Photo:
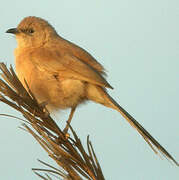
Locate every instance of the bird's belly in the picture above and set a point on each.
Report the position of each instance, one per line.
(57, 93)
(66, 93)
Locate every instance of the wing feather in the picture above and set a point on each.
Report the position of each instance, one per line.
(67, 66)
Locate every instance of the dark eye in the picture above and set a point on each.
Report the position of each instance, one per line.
(27, 31)
(31, 31)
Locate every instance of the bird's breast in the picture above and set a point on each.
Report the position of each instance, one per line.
(57, 91)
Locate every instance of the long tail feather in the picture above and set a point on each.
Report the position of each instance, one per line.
(153, 143)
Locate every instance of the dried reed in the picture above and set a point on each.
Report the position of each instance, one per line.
(69, 154)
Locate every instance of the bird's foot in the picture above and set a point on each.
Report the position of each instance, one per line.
(65, 131)
(42, 105)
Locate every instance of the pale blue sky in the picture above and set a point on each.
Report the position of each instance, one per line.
(137, 41)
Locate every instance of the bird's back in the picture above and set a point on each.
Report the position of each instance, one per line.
(81, 54)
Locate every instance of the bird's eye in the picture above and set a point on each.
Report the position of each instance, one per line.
(31, 31)
(27, 31)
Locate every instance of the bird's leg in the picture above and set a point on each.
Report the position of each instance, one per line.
(69, 120)
(43, 105)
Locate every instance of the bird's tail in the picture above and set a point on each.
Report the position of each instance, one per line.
(110, 102)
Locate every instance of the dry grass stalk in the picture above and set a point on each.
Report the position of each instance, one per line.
(74, 162)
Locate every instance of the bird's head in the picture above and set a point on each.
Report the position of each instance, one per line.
(33, 32)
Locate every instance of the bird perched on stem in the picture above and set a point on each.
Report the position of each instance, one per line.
(63, 74)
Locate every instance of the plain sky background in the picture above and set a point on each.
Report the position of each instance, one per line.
(137, 41)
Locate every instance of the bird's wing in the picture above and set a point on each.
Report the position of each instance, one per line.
(83, 55)
(67, 66)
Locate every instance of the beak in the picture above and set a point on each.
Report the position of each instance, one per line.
(12, 31)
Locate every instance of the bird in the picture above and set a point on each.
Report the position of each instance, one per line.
(65, 75)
